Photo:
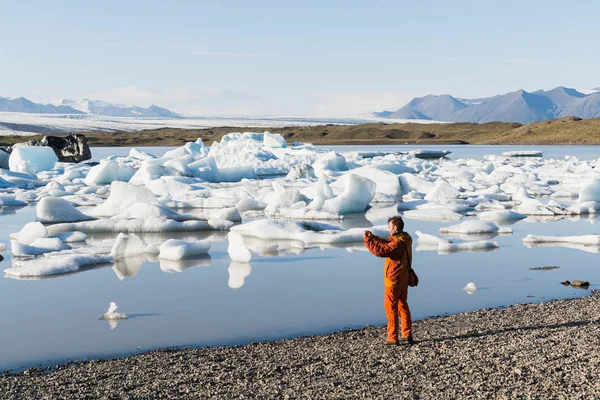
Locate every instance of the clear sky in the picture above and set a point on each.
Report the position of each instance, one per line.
(303, 58)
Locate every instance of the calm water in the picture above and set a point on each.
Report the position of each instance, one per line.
(322, 290)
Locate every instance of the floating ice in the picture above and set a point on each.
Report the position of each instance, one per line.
(4, 156)
(474, 226)
(174, 249)
(309, 233)
(32, 159)
(30, 232)
(479, 245)
(523, 153)
(112, 313)
(430, 153)
(55, 210)
(470, 288)
(358, 193)
(590, 191)
(122, 195)
(236, 249)
(501, 216)
(127, 245)
(433, 214)
(8, 200)
(442, 192)
(55, 263)
(274, 140)
(147, 225)
(109, 171)
(431, 239)
(301, 171)
(330, 162)
(593, 240)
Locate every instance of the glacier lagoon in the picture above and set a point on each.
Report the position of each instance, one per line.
(209, 300)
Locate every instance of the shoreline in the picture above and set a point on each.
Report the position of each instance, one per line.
(537, 350)
(563, 131)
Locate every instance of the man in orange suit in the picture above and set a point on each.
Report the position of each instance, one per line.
(397, 250)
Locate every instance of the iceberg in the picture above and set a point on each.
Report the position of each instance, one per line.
(32, 159)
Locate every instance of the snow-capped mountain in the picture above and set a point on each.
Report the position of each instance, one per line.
(98, 107)
(85, 106)
(22, 105)
(520, 106)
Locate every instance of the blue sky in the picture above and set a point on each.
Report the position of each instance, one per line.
(292, 58)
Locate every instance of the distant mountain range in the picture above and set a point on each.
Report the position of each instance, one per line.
(520, 106)
(82, 107)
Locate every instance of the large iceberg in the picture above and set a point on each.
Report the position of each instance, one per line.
(32, 159)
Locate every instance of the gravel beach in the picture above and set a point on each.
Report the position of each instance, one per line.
(540, 351)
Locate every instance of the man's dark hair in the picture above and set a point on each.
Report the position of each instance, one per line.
(397, 222)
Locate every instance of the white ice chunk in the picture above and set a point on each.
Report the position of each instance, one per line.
(470, 288)
(32, 159)
(590, 191)
(109, 171)
(30, 232)
(55, 210)
(479, 245)
(301, 171)
(127, 245)
(147, 225)
(55, 264)
(523, 153)
(274, 140)
(330, 162)
(501, 216)
(431, 239)
(9, 200)
(112, 313)
(122, 195)
(236, 249)
(433, 214)
(71, 237)
(174, 249)
(358, 193)
(37, 247)
(442, 192)
(474, 226)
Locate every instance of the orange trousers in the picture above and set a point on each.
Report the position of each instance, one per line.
(395, 304)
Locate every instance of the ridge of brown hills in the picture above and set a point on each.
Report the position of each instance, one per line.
(562, 131)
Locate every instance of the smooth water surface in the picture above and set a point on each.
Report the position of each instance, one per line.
(211, 301)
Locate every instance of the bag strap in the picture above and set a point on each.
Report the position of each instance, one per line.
(407, 254)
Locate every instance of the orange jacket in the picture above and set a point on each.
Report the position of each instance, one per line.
(396, 266)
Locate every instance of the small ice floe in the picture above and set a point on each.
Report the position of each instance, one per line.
(480, 245)
(501, 216)
(523, 153)
(112, 316)
(429, 242)
(433, 214)
(470, 288)
(174, 249)
(474, 226)
(587, 240)
(425, 154)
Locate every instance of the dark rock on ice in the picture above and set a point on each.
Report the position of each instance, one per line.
(71, 148)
